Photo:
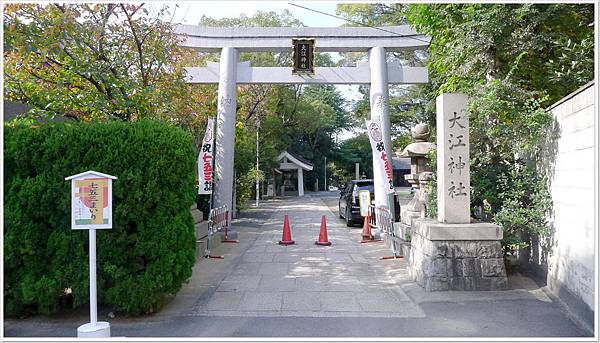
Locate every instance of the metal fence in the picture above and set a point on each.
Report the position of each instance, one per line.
(381, 218)
(218, 219)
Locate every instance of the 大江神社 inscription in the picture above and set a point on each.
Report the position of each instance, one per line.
(453, 159)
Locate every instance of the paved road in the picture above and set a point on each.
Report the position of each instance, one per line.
(262, 289)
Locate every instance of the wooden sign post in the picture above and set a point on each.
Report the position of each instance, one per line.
(91, 209)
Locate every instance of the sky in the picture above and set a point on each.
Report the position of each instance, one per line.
(191, 12)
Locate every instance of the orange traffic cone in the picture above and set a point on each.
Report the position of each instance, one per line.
(323, 234)
(287, 233)
(367, 236)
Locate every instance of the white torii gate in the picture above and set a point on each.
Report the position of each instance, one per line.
(229, 72)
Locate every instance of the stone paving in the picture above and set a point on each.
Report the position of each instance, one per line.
(346, 279)
(262, 289)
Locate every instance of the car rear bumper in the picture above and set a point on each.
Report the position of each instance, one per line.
(355, 214)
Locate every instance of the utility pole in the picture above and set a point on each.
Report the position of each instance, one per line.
(257, 171)
(325, 173)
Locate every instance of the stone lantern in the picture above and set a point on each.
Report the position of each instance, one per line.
(420, 174)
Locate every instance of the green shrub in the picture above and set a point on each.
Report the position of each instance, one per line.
(526, 205)
(147, 254)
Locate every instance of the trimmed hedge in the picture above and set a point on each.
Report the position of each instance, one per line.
(147, 254)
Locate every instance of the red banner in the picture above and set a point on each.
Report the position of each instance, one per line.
(205, 158)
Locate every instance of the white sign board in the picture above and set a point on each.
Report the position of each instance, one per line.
(91, 209)
(91, 200)
(364, 200)
(383, 166)
(205, 158)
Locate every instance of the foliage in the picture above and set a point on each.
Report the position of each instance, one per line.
(246, 185)
(432, 208)
(498, 55)
(525, 206)
(407, 107)
(98, 62)
(369, 14)
(476, 43)
(354, 150)
(259, 19)
(300, 119)
(147, 254)
(571, 67)
(513, 60)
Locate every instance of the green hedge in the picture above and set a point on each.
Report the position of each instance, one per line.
(147, 254)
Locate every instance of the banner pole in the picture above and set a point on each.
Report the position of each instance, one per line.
(212, 191)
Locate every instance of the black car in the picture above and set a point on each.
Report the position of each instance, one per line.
(349, 207)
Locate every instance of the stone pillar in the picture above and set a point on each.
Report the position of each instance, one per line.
(225, 139)
(452, 253)
(379, 108)
(453, 172)
(300, 182)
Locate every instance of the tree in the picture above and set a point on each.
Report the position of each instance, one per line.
(97, 62)
(474, 43)
(510, 61)
(355, 150)
(513, 60)
(407, 104)
(300, 119)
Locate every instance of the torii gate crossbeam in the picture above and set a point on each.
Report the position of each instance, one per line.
(275, 39)
(230, 41)
(361, 74)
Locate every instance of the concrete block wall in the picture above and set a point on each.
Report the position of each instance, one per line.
(570, 167)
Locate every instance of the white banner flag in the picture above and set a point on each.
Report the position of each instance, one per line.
(383, 165)
(205, 157)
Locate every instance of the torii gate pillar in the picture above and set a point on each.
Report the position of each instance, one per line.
(229, 41)
(379, 96)
(225, 138)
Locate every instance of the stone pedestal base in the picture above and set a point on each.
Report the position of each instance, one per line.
(89, 330)
(403, 231)
(462, 257)
(407, 216)
(403, 234)
(405, 226)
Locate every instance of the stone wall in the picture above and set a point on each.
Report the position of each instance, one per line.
(569, 163)
(439, 264)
